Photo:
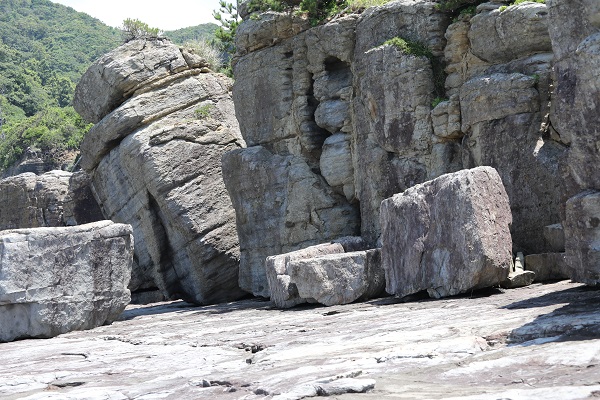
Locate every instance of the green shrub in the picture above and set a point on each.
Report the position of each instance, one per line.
(136, 29)
(206, 50)
(410, 47)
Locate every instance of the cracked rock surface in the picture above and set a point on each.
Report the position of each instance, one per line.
(155, 161)
(541, 341)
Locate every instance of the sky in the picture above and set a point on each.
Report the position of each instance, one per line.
(166, 14)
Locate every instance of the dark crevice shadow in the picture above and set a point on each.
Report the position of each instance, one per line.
(548, 299)
(577, 320)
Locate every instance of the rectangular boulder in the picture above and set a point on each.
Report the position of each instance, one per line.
(56, 280)
(447, 236)
(339, 272)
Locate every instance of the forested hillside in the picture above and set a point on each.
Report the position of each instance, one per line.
(44, 50)
(198, 32)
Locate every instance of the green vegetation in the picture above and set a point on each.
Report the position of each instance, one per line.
(437, 101)
(49, 131)
(206, 50)
(516, 2)
(44, 50)
(203, 111)
(136, 29)
(410, 47)
(204, 32)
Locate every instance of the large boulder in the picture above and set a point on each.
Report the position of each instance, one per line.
(447, 236)
(56, 198)
(330, 274)
(155, 162)
(56, 280)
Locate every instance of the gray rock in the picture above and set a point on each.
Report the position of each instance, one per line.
(332, 115)
(334, 279)
(446, 119)
(284, 293)
(447, 236)
(56, 198)
(336, 164)
(501, 120)
(281, 206)
(267, 29)
(155, 163)
(554, 235)
(516, 32)
(115, 76)
(56, 280)
(582, 234)
(547, 266)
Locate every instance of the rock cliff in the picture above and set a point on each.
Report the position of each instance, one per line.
(154, 156)
(337, 118)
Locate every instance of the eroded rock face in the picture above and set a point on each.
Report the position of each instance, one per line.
(447, 236)
(582, 236)
(56, 198)
(155, 161)
(56, 280)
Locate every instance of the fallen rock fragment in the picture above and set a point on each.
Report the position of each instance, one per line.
(56, 280)
(330, 274)
(518, 277)
(447, 236)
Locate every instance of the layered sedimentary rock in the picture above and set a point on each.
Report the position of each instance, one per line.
(447, 236)
(55, 280)
(56, 198)
(155, 161)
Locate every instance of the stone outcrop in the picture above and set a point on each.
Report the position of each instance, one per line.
(155, 161)
(56, 198)
(548, 266)
(447, 236)
(56, 280)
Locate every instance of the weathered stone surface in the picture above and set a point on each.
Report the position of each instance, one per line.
(446, 119)
(544, 339)
(501, 120)
(447, 236)
(575, 101)
(116, 75)
(518, 31)
(336, 164)
(582, 237)
(284, 292)
(334, 279)
(55, 280)
(281, 206)
(554, 235)
(156, 164)
(267, 29)
(548, 266)
(56, 198)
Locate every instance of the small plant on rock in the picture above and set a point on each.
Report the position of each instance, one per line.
(203, 111)
(410, 47)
